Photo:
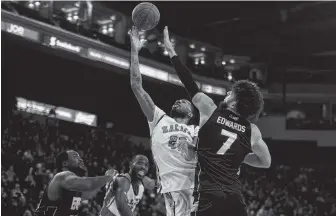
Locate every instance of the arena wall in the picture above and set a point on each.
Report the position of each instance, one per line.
(275, 127)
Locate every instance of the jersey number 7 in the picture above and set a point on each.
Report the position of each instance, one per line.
(227, 144)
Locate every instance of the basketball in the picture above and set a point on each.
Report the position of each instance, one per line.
(145, 16)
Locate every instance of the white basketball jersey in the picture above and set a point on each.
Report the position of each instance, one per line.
(132, 199)
(173, 151)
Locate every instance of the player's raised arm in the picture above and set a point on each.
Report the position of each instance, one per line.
(260, 156)
(181, 70)
(122, 186)
(68, 180)
(146, 103)
(204, 103)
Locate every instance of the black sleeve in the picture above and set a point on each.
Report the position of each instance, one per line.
(185, 76)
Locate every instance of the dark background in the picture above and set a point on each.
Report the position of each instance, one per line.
(283, 35)
(272, 32)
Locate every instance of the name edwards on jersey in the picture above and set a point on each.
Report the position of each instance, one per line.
(175, 128)
(230, 124)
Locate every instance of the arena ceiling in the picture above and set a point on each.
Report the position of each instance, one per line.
(300, 33)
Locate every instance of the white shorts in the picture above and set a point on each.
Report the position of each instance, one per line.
(180, 203)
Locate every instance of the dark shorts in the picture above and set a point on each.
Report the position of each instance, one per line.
(220, 204)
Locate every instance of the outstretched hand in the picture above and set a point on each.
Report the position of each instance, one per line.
(136, 42)
(168, 44)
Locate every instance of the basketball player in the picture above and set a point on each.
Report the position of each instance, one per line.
(108, 192)
(172, 141)
(68, 188)
(126, 191)
(226, 139)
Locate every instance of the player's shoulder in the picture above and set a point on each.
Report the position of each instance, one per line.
(204, 104)
(60, 179)
(121, 181)
(255, 132)
(64, 174)
(201, 96)
(158, 110)
(254, 128)
(159, 115)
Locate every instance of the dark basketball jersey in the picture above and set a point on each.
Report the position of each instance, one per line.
(224, 141)
(67, 205)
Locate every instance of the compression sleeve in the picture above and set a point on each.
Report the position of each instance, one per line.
(185, 76)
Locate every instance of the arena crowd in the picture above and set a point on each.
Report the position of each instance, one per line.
(29, 147)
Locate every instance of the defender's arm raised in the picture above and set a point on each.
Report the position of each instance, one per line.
(204, 103)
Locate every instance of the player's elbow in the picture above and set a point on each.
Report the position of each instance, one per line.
(266, 162)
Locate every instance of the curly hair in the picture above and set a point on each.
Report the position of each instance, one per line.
(249, 99)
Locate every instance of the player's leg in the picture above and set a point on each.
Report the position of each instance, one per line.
(239, 207)
(221, 204)
(204, 211)
(180, 203)
(184, 202)
(170, 204)
(231, 204)
(204, 206)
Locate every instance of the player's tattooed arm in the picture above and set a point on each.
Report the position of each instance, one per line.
(260, 156)
(123, 185)
(146, 103)
(136, 45)
(136, 79)
(68, 180)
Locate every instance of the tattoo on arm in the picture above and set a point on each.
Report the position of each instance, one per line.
(136, 80)
(148, 100)
(146, 103)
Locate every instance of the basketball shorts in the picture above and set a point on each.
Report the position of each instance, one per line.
(180, 203)
(219, 204)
